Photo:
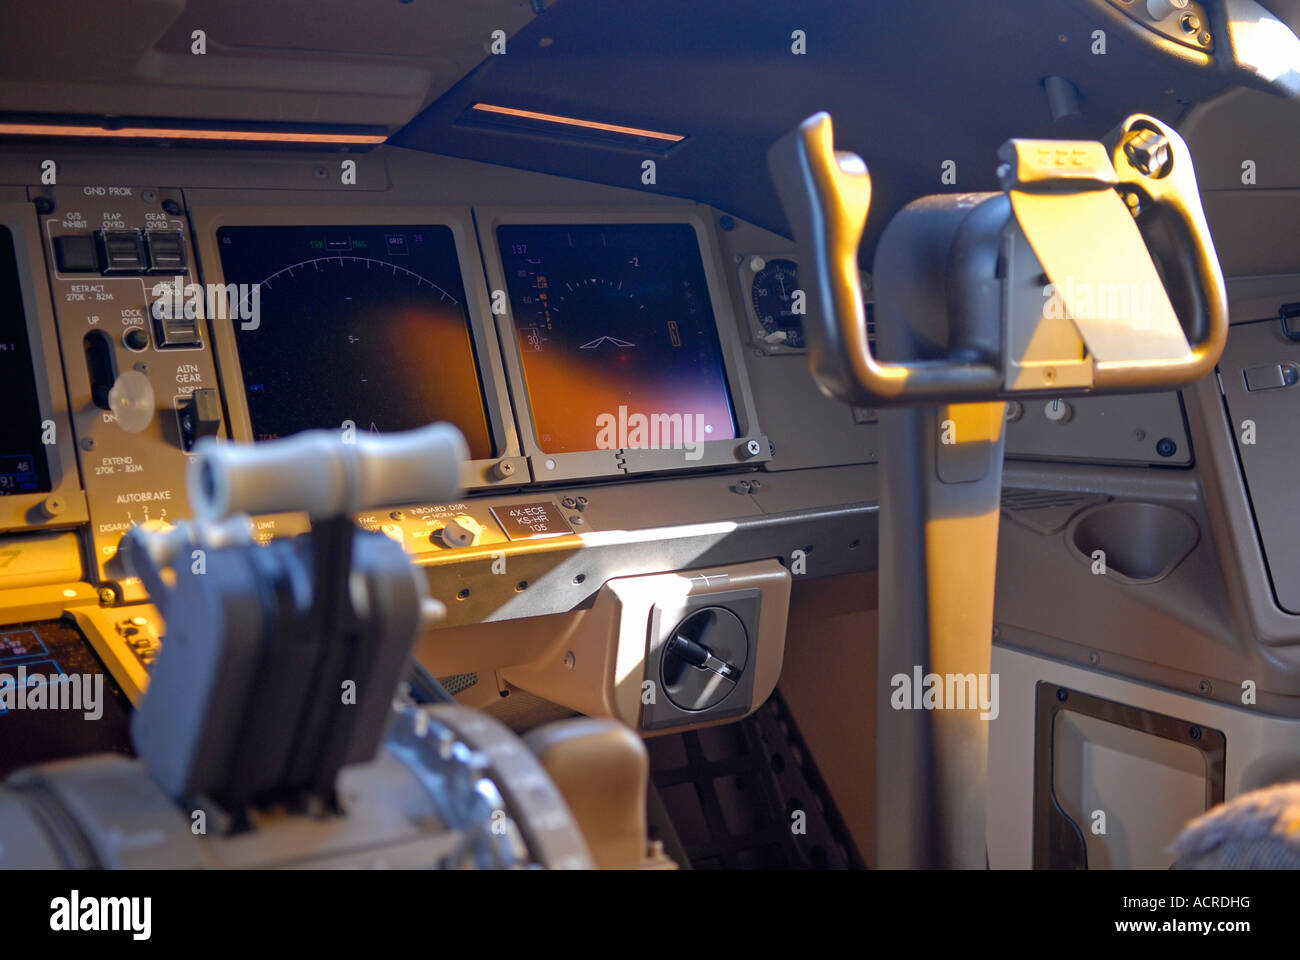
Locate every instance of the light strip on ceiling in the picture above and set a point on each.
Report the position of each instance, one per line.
(575, 122)
(181, 133)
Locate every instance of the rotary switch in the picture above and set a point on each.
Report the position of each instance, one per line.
(462, 530)
(704, 659)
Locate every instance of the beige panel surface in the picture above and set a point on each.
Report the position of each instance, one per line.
(829, 683)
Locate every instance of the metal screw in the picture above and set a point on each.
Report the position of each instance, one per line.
(570, 660)
(1062, 694)
(752, 449)
(148, 196)
(1205, 687)
(107, 597)
(87, 443)
(1094, 658)
(1194, 732)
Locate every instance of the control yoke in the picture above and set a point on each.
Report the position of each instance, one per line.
(1092, 271)
(1076, 203)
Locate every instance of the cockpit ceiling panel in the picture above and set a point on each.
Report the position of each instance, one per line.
(291, 61)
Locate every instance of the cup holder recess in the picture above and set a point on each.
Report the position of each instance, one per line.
(1143, 542)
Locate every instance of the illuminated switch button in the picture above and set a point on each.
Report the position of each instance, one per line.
(172, 327)
(462, 531)
(166, 251)
(121, 251)
(1058, 411)
(75, 253)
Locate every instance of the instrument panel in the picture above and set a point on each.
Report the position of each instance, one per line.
(609, 350)
(359, 324)
(609, 365)
(616, 334)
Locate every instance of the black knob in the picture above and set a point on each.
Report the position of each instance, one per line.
(136, 338)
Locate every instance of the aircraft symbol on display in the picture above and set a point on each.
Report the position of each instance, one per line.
(593, 344)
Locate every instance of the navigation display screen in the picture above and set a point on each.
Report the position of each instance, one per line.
(23, 464)
(366, 324)
(616, 330)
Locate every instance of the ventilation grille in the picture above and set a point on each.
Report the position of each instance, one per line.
(1040, 499)
(458, 682)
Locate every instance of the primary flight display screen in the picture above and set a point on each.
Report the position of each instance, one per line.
(23, 464)
(617, 335)
(360, 324)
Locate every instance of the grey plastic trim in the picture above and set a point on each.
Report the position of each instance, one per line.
(1248, 584)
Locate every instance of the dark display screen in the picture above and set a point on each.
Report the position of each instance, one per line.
(616, 330)
(23, 464)
(366, 324)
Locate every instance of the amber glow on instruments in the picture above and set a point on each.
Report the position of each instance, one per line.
(574, 122)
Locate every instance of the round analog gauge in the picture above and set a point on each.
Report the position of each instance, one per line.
(773, 298)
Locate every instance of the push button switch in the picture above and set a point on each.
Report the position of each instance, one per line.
(121, 251)
(75, 253)
(166, 251)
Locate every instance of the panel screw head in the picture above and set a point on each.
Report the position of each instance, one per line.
(107, 597)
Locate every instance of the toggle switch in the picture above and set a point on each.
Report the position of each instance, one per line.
(200, 417)
(1271, 376)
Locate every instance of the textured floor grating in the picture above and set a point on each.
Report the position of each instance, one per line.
(746, 796)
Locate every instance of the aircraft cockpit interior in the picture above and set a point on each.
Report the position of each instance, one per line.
(563, 434)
